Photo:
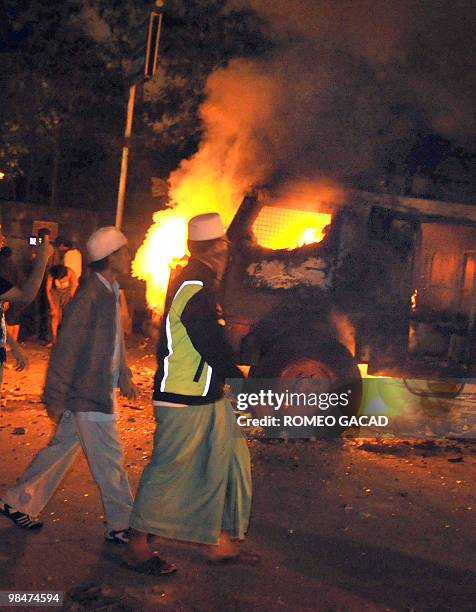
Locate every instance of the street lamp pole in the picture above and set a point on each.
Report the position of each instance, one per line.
(121, 196)
(147, 72)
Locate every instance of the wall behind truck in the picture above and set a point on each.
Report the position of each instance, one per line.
(446, 267)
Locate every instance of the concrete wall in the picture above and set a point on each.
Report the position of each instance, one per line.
(18, 220)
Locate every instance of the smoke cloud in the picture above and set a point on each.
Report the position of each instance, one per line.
(346, 88)
(427, 49)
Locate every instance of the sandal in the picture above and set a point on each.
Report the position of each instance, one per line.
(241, 558)
(21, 519)
(155, 566)
(118, 536)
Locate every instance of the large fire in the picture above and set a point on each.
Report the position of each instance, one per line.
(285, 228)
(199, 186)
(165, 244)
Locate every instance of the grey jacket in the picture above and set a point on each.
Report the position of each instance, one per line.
(79, 376)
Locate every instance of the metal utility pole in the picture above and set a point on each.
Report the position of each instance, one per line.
(121, 195)
(145, 67)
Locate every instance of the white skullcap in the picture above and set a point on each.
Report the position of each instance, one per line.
(205, 227)
(104, 241)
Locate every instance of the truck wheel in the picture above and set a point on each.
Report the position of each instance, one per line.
(318, 368)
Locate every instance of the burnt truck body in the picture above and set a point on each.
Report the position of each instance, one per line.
(391, 284)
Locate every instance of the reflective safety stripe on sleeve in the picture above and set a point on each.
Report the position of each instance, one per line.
(207, 382)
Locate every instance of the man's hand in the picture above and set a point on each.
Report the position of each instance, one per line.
(45, 250)
(128, 388)
(55, 412)
(21, 359)
(18, 354)
(126, 384)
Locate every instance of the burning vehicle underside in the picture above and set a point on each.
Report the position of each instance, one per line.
(386, 281)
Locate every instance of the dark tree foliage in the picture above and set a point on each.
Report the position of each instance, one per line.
(62, 105)
(64, 67)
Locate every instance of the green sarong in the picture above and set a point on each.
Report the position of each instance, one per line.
(198, 480)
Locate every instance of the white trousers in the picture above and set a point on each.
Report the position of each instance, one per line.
(103, 451)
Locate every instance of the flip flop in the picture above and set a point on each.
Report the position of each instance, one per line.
(242, 558)
(155, 566)
(118, 536)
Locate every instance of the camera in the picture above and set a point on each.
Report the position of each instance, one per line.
(35, 240)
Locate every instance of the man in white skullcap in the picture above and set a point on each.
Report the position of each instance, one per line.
(87, 364)
(197, 486)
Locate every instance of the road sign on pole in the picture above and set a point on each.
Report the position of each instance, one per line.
(145, 53)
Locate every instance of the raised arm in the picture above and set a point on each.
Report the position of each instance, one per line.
(28, 291)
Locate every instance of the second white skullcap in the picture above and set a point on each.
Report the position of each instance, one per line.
(208, 226)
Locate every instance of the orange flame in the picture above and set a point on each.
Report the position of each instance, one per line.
(164, 246)
(309, 236)
(284, 228)
(197, 188)
(194, 189)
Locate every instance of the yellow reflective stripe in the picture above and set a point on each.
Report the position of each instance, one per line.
(169, 333)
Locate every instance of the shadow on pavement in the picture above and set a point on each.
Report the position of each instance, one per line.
(14, 542)
(379, 574)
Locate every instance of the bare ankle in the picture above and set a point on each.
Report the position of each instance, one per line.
(225, 547)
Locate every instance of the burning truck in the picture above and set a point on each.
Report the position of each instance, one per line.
(316, 287)
(386, 281)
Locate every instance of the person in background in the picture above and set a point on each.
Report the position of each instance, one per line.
(61, 285)
(69, 256)
(73, 259)
(197, 485)
(14, 294)
(61, 246)
(87, 364)
(40, 312)
(30, 318)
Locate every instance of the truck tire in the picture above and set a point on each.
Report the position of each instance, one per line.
(309, 366)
